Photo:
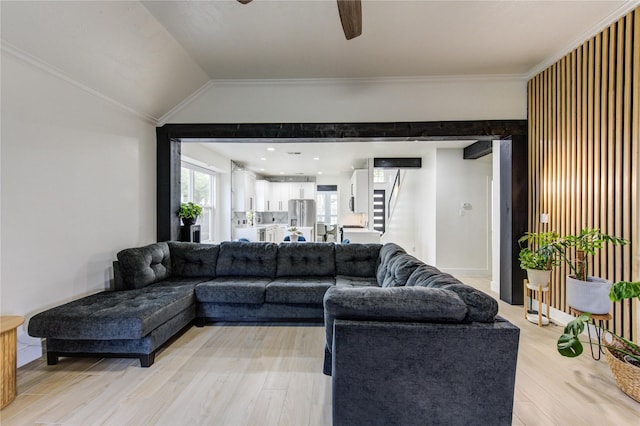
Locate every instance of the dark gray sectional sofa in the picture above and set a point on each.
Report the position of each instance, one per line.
(405, 343)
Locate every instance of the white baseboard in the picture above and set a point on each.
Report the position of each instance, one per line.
(28, 349)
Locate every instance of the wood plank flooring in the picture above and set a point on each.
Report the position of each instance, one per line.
(257, 374)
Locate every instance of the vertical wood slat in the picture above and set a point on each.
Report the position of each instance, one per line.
(584, 153)
(635, 160)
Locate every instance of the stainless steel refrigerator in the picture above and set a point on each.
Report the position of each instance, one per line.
(302, 213)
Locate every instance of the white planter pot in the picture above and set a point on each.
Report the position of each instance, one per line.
(589, 296)
(538, 277)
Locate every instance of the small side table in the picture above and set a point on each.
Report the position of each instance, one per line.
(543, 296)
(601, 318)
(8, 339)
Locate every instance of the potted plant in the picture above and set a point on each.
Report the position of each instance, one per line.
(294, 233)
(623, 355)
(189, 213)
(586, 293)
(541, 254)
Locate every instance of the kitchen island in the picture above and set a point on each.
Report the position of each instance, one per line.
(273, 233)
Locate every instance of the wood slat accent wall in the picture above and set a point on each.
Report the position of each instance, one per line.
(584, 137)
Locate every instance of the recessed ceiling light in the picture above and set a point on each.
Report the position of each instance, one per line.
(263, 159)
(281, 173)
(271, 148)
(319, 173)
(316, 158)
(262, 170)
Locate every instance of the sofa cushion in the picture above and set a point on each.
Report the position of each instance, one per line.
(306, 259)
(350, 281)
(146, 265)
(387, 252)
(193, 259)
(241, 259)
(308, 290)
(126, 314)
(424, 274)
(358, 260)
(233, 290)
(399, 269)
(481, 307)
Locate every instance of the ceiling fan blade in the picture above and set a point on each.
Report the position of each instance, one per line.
(351, 17)
(244, 1)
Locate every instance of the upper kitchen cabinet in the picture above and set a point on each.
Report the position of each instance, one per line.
(263, 194)
(244, 191)
(279, 197)
(359, 202)
(302, 190)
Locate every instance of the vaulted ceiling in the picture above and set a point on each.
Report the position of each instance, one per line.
(149, 56)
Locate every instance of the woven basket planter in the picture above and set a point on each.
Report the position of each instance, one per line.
(627, 376)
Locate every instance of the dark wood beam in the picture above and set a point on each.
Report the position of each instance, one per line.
(513, 167)
(477, 150)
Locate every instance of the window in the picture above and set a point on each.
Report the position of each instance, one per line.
(327, 207)
(198, 186)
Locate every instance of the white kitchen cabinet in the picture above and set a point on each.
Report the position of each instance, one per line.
(263, 192)
(279, 197)
(302, 190)
(360, 191)
(279, 232)
(244, 191)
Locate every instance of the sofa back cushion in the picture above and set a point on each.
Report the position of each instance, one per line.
(397, 270)
(480, 306)
(141, 266)
(241, 259)
(357, 260)
(306, 260)
(387, 252)
(425, 274)
(193, 259)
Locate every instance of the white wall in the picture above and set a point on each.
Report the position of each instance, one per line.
(366, 100)
(77, 186)
(222, 166)
(463, 240)
(412, 222)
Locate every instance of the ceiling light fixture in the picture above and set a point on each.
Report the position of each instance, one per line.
(271, 148)
(316, 158)
(263, 159)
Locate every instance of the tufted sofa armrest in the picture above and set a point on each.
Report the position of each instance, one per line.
(146, 265)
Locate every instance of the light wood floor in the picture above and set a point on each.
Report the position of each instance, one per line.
(272, 375)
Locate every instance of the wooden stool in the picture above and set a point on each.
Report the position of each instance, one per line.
(601, 318)
(8, 339)
(542, 295)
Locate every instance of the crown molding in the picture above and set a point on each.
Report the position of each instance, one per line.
(27, 58)
(371, 80)
(579, 41)
(192, 97)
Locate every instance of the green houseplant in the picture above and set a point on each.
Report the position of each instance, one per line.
(623, 355)
(542, 252)
(189, 213)
(586, 293)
